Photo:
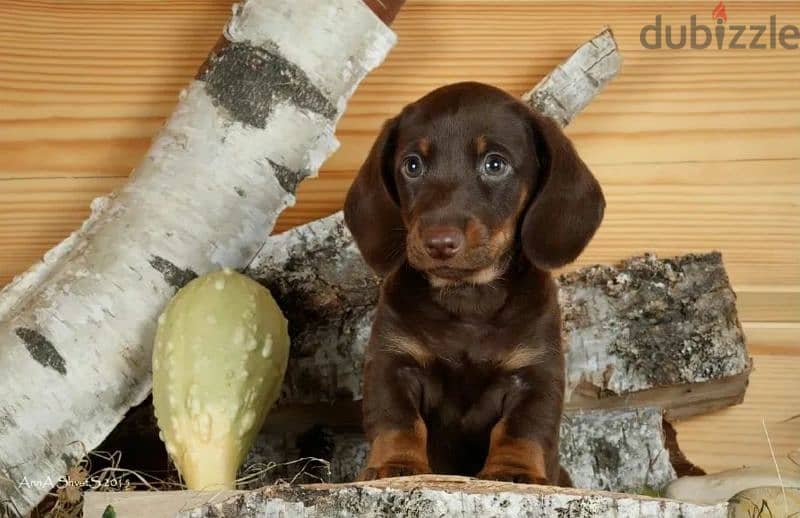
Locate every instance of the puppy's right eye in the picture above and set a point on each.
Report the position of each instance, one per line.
(495, 165)
(412, 166)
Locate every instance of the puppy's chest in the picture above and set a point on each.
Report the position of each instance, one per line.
(462, 377)
(471, 364)
(470, 348)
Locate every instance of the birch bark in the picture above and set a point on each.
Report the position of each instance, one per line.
(76, 329)
(611, 450)
(445, 496)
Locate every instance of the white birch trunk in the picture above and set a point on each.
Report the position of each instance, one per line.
(76, 330)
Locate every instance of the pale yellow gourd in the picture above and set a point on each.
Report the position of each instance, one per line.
(218, 364)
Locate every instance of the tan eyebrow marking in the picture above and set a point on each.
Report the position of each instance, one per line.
(406, 345)
(481, 144)
(424, 146)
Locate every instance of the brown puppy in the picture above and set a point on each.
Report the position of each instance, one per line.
(465, 203)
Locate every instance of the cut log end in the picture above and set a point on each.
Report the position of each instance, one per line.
(654, 331)
(563, 93)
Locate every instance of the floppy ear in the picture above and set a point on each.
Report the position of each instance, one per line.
(371, 209)
(568, 205)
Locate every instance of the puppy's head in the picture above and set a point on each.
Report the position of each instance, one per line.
(459, 177)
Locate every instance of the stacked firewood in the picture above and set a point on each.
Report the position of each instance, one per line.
(647, 339)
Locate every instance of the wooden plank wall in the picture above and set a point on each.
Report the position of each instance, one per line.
(696, 149)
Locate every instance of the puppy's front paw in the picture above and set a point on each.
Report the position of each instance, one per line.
(393, 469)
(517, 474)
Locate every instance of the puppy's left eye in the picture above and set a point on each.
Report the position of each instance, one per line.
(412, 166)
(494, 165)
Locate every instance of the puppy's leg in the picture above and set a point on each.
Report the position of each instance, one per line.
(515, 459)
(397, 453)
(398, 435)
(524, 443)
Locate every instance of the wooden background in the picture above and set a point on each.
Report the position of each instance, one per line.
(696, 150)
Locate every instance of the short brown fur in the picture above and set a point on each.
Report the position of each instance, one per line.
(405, 345)
(464, 371)
(395, 453)
(514, 459)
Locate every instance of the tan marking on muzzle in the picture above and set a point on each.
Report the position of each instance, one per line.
(501, 239)
(474, 233)
(523, 199)
(441, 282)
(486, 275)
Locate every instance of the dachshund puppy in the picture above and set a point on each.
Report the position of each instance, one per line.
(466, 202)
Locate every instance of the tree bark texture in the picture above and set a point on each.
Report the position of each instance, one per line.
(660, 332)
(645, 331)
(612, 450)
(76, 329)
(425, 496)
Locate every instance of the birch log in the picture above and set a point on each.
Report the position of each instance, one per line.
(76, 329)
(646, 331)
(657, 332)
(437, 495)
(612, 450)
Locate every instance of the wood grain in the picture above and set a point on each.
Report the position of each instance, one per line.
(735, 437)
(696, 150)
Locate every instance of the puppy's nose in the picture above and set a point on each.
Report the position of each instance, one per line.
(442, 242)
